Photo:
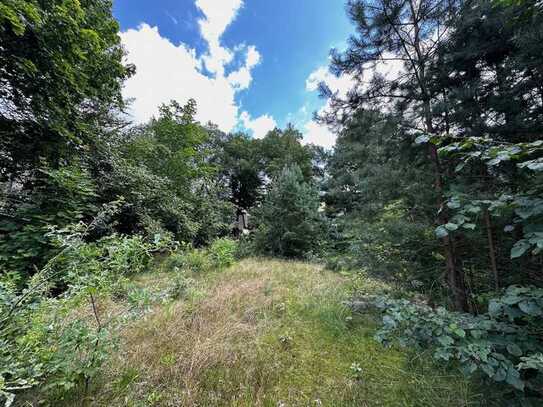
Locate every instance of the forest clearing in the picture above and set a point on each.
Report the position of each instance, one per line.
(263, 333)
(271, 203)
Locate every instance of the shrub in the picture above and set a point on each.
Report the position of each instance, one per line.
(197, 261)
(42, 337)
(245, 248)
(222, 252)
(60, 197)
(503, 345)
(180, 286)
(41, 340)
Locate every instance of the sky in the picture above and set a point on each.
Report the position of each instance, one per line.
(251, 65)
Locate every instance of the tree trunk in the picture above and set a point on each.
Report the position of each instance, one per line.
(491, 249)
(455, 275)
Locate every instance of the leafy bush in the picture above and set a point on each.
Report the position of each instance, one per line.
(222, 252)
(245, 247)
(504, 345)
(196, 261)
(42, 337)
(110, 258)
(180, 286)
(60, 197)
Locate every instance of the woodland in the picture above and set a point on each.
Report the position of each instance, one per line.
(403, 267)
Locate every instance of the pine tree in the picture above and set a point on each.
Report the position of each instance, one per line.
(290, 224)
(409, 32)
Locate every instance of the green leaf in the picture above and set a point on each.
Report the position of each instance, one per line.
(445, 340)
(530, 308)
(451, 226)
(441, 232)
(494, 308)
(519, 249)
(513, 378)
(514, 349)
(500, 375)
(422, 139)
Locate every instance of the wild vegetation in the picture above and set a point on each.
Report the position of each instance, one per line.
(420, 234)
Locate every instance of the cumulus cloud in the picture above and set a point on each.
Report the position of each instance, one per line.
(340, 84)
(314, 132)
(242, 78)
(321, 135)
(259, 126)
(217, 17)
(166, 71)
(317, 134)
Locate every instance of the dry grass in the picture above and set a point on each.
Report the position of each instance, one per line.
(262, 333)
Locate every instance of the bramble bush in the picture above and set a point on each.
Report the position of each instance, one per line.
(503, 345)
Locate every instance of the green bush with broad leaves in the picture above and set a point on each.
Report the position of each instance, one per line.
(504, 345)
(223, 252)
(45, 342)
(61, 197)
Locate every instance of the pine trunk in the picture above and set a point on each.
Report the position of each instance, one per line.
(454, 272)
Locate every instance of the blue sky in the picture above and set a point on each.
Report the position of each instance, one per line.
(250, 64)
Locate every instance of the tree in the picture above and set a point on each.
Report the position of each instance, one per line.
(248, 165)
(491, 69)
(290, 224)
(166, 172)
(280, 148)
(62, 73)
(408, 31)
(241, 170)
(380, 207)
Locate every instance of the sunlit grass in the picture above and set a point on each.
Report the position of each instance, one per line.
(266, 333)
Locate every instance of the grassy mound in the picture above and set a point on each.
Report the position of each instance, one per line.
(265, 333)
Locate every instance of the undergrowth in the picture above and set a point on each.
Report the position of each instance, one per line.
(265, 333)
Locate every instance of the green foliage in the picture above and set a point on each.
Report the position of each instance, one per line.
(61, 74)
(290, 224)
(43, 343)
(501, 345)
(392, 246)
(196, 261)
(166, 172)
(60, 197)
(222, 252)
(180, 286)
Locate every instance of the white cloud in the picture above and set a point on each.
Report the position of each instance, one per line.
(259, 126)
(340, 84)
(242, 78)
(317, 134)
(321, 135)
(165, 71)
(218, 16)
